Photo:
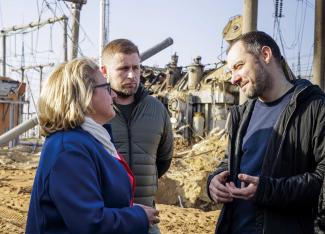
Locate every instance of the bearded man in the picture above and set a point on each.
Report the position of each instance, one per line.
(273, 170)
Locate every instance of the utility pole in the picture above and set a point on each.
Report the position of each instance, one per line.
(250, 15)
(104, 26)
(40, 68)
(249, 24)
(4, 62)
(319, 45)
(6, 31)
(76, 7)
(65, 39)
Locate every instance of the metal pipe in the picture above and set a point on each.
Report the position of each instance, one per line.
(156, 49)
(13, 102)
(12, 133)
(4, 56)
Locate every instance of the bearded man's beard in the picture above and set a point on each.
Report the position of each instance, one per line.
(125, 93)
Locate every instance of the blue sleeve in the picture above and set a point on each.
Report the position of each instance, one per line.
(74, 188)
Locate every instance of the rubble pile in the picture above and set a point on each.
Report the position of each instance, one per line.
(184, 184)
(20, 157)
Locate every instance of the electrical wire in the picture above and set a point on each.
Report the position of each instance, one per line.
(300, 13)
(309, 4)
(303, 26)
(79, 48)
(301, 56)
(82, 28)
(309, 59)
(34, 58)
(39, 20)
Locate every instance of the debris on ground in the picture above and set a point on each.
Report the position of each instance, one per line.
(184, 184)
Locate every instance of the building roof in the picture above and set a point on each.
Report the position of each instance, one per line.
(8, 86)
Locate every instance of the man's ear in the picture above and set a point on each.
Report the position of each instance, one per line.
(103, 70)
(266, 54)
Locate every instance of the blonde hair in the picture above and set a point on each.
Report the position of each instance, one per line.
(66, 97)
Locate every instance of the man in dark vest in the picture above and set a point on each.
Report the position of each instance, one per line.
(141, 128)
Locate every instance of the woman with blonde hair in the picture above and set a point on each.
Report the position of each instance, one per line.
(82, 185)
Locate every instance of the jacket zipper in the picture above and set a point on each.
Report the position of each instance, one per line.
(128, 124)
(130, 147)
(129, 136)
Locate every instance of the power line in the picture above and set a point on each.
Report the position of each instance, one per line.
(49, 7)
(309, 4)
(82, 28)
(303, 26)
(301, 56)
(24, 29)
(30, 29)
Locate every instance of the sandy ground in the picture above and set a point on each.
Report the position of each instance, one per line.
(17, 171)
(175, 220)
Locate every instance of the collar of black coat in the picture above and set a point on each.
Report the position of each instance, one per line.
(141, 93)
(303, 86)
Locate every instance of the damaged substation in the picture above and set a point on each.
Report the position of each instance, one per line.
(197, 96)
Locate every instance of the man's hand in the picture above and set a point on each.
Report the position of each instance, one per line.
(151, 213)
(247, 192)
(218, 191)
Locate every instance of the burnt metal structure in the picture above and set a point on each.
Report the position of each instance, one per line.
(196, 98)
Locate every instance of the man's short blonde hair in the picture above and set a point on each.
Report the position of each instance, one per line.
(66, 97)
(123, 46)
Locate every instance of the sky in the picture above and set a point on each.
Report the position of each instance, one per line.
(195, 25)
